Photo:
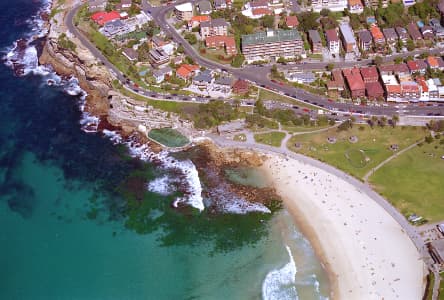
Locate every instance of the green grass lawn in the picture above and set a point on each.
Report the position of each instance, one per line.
(168, 137)
(355, 158)
(414, 181)
(266, 95)
(293, 129)
(272, 138)
(184, 109)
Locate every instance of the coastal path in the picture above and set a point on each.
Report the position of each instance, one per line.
(373, 170)
(362, 186)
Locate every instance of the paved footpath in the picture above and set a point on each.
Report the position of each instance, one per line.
(365, 188)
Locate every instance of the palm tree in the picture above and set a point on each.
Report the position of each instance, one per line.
(374, 119)
(383, 121)
(395, 120)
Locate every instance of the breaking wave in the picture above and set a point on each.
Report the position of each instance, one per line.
(280, 283)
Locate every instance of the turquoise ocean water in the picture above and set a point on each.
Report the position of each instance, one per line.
(66, 198)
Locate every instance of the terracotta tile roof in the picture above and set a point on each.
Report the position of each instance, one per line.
(395, 89)
(352, 3)
(331, 35)
(291, 21)
(376, 33)
(423, 84)
(374, 89)
(369, 72)
(185, 70)
(200, 19)
(355, 82)
(432, 62)
(102, 17)
(261, 11)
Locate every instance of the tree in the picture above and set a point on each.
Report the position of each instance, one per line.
(330, 67)
(259, 107)
(382, 121)
(378, 60)
(237, 61)
(191, 38)
(398, 60)
(267, 21)
(308, 21)
(395, 120)
(325, 12)
(410, 45)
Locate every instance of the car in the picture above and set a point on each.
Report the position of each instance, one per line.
(430, 114)
(295, 107)
(437, 114)
(168, 97)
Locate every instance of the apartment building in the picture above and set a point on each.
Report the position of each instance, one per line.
(347, 37)
(213, 27)
(184, 11)
(332, 41)
(315, 41)
(333, 5)
(272, 43)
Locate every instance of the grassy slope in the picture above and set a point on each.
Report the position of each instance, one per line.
(414, 181)
(374, 142)
(272, 138)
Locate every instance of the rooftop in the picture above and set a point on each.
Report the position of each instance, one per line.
(355, 82)
(314, 36)
(347, 33)
(369, 72)
(331, 35)
(365, 36)
(291, 21)
(214, 23)
(376, 33)
(374, 89)
(184, 7)
(390, 33)
(204, 76)
(271, 36)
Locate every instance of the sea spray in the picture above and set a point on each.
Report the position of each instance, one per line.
(279, 284)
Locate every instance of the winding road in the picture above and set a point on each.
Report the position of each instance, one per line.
(255, 74)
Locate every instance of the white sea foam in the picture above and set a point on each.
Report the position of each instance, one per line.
(193, 197)
(280, 283)
(238, 205)
(164, 185)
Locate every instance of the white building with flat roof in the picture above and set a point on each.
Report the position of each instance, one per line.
(333, 5)
(184, 11)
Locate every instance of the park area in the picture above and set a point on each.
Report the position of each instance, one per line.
(414, 181)
(273, 138)
(358, 149)
(168, 137)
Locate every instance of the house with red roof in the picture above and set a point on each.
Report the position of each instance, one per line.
(354, 82)
(435, 63)
(220, 41)
(424, 88)
(374, 90)
(196, 20)
(186, 71)
(377, 35)
(103, 17)
(417, 66)
(336, 85)
(291, 21)
(410, 90)
(260, 12)
(241, 86)
(369, 74)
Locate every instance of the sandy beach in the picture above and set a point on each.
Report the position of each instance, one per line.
(365, 251)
